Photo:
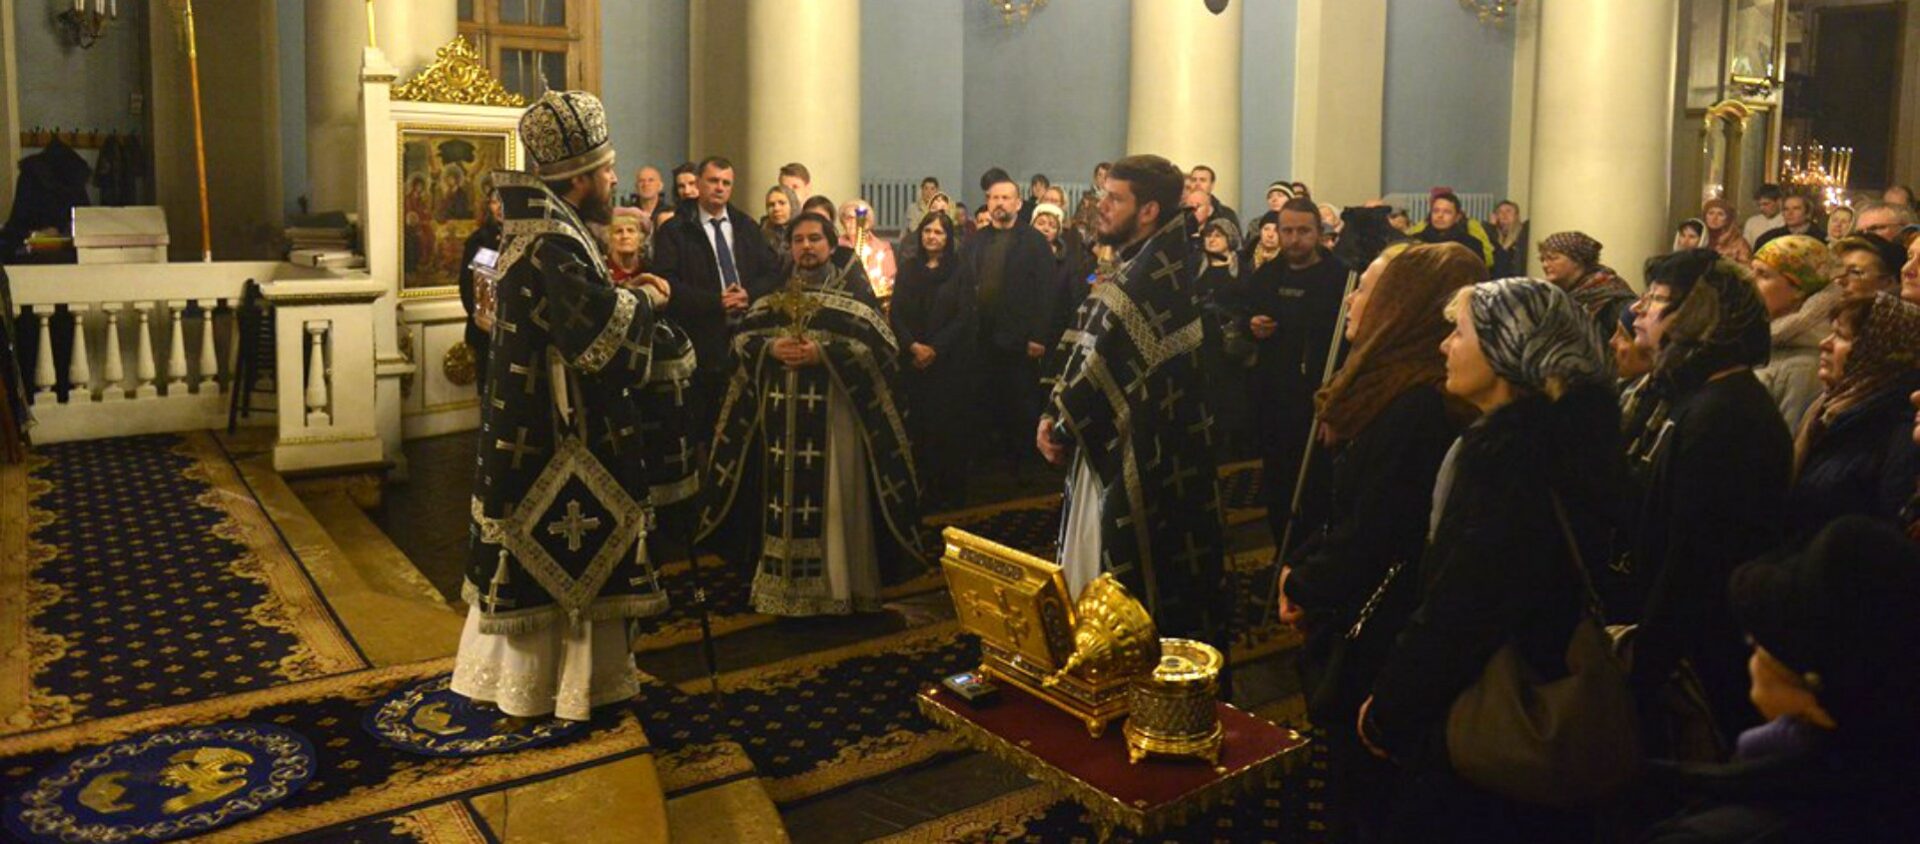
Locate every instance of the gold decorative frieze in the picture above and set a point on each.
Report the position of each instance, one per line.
(457, 77)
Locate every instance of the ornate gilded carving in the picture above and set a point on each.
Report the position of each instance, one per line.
(458, 77)
(459, 363)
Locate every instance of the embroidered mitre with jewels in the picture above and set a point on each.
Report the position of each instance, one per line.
(561, 502)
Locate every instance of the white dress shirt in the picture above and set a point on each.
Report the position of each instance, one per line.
(726, 225)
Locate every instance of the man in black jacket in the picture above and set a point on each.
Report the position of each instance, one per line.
(1290, 305)
(717, 261)
(1012, 269)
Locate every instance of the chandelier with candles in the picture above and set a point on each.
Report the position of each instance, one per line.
(1817, 170)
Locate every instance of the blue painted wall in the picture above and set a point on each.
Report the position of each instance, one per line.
(911, 104)
(643, 82)
(1266, 98)
(63, 86)
(1449, 90)
(1047, 97)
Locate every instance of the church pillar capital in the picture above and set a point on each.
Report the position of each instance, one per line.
(1602, 127)
(1184, 92)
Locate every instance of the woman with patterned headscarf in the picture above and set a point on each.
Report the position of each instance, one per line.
(1723, 232)
(1792, 276)
(1497, 569)
(1571, 260)
(1387, 424)
(1713, 459)
(1855, 453)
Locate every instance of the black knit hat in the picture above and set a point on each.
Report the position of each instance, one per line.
(1844, 613)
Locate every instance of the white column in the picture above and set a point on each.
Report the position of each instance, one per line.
(79, 372)
(1184, 88)
(803, 95)
(1602, 129)
(409, 33)
(1340, 83)
(43, 356)
(143, 372)
(177, 350)
(316, 395)
(113, 372)
(209, 362)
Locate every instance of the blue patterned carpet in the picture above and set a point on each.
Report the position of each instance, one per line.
(154, 587)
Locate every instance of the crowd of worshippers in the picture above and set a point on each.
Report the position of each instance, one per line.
(1473, 465)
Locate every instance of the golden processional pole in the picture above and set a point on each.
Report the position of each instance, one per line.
(199, 136)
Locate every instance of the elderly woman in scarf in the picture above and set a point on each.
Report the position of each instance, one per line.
(1497, 569)
(1712, 459)
(1387, 424)
(1723, 232)
(1571, 261)
(1793, 276)
(1855, 452)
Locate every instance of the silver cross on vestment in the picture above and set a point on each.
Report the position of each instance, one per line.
(573, 526)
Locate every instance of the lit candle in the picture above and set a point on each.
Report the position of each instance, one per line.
(79, 5)
(113, 9)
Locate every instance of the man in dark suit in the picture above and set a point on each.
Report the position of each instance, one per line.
(1010, 267)
(716, 260)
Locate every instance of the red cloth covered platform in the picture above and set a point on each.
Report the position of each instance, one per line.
(1052, 747)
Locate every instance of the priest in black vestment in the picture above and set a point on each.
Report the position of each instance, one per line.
(558, 559)
(812, 479)
(1127, 410)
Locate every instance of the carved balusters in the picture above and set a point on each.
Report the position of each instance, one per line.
(317, 397)
(113, 370)
(143, 372)
(177, 350)
(43, 357)
(209, 363)
(79, 372)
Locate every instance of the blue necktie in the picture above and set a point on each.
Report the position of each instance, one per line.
(729, 275)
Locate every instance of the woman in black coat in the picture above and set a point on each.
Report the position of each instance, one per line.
(1498, 568)
(1855, 453)
(934, 319)
(1387, 423)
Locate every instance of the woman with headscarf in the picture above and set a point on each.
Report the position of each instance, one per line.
(934, 321)
(1387, 423)
(1723, 232)
(1855, 453)
(1264, 245)
(1071, 265)
(1713, 458)
(1571, 261)
(1791, 274)
(628, 237)
(1498, 568)
(1690, 234)
(782, 206)
(1839, 223)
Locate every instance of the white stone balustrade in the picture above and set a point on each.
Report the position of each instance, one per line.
(324, 353)
(119, 320)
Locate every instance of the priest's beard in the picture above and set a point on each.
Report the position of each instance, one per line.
(812, 276)
(1123, 233)
(596, 206)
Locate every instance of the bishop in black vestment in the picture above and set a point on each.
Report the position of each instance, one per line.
(811, 478)
(557, 562)
(1127, 407)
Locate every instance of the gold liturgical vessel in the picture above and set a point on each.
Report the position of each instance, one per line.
(1173, 707)
(1081, 658)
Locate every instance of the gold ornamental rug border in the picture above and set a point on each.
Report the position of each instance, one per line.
(689, 629)
(452, 822)
(1006, 815)
(23, 649)
(103, 730)
(863, 760)
(427, 785)
(324, 647)
(701, 766)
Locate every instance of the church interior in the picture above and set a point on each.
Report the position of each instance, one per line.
(321, 332)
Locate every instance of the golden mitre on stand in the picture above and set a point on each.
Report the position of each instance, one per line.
(1097, 658)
